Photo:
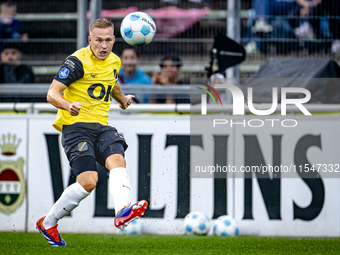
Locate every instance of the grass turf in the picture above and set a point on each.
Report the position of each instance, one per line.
(34, 243)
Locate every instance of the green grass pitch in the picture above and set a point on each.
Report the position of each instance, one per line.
(34, 243)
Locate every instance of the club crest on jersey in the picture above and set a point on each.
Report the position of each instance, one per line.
(12, 180)
(82, 146)
(63, 73)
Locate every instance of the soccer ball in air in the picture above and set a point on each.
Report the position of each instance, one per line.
(138, 29)
(225, 226)
(196, 223)
(134, 228)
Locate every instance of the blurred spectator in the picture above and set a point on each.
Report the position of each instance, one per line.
(260, 22)
(265, 9)
(11, 70)
(306, 30)
(327, 23)
(131, 75)
(170, 70)
(270, 25)
(9, 26)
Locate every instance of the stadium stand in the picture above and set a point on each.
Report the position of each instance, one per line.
(52, 30)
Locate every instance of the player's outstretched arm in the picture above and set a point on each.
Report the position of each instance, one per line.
(118, 95)
(55, 98)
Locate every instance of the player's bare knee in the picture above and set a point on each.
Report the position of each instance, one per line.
(115, 160)
(88, 180)
(89, 185)
(120, 161)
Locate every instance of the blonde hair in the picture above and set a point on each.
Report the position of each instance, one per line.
(100, 23)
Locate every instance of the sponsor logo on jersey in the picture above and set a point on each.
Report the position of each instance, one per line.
(70, 64)
(12, 181)
(63, 73)
(94, 75)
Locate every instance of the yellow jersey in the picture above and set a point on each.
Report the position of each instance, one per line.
(89, 81)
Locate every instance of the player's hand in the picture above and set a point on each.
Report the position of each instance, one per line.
(74, 108)
(127, 102)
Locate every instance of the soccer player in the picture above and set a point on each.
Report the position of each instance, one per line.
(88, 78)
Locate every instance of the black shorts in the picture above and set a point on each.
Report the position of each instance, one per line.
(90, 139)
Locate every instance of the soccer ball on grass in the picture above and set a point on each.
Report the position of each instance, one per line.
(138, 29)
(196, 223)
(225, 226)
